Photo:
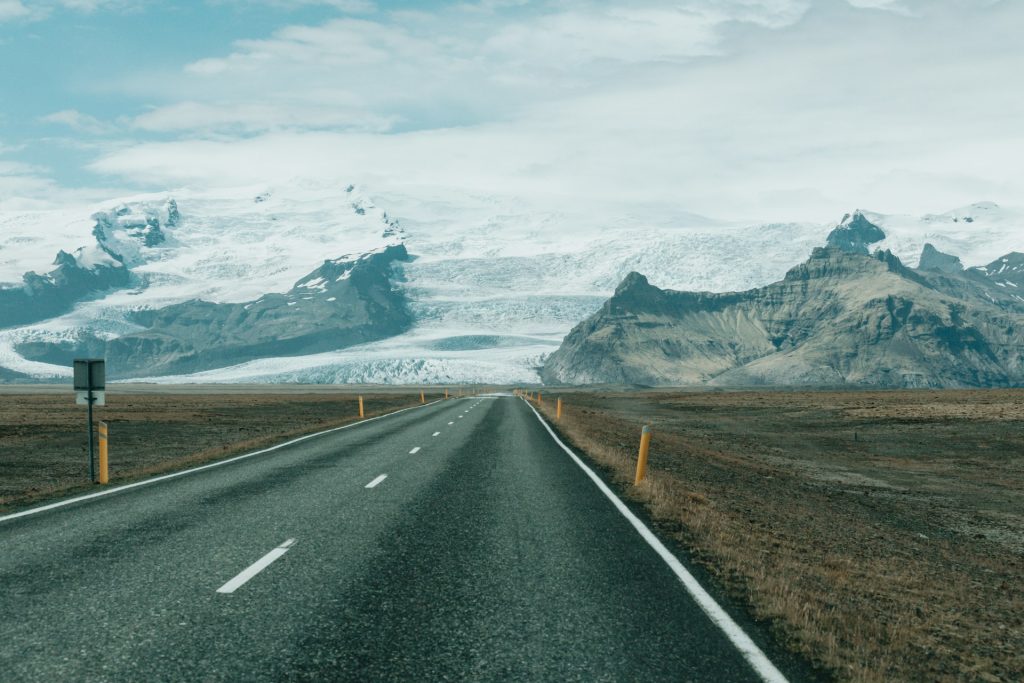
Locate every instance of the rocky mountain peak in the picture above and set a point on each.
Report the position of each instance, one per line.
(933, 259)
(1006, 271)
(837, 262)
(126, 230)
(173, 215)
(840, 318)
(340, 269)
(64, 259)
(855, 233)
(635, 293)
(633, 281)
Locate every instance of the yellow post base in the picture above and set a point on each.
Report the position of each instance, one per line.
(103, 474)
(641, 461)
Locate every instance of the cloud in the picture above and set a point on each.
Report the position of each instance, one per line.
(80, 122)
(26, 186)
(896, 6)
(462, 65)
(12, 9)
(347, 6)
(10, 168)
(567, 40)
(23, 185)
(753, 109)
(735, 108)
(251, 117)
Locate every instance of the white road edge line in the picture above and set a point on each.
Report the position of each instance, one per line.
(747, 647)
(165, 477)
(414, 451)
(436, 433)
(376, 481)
(256, 567)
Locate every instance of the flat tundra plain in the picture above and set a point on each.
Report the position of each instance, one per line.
(156, 429)
(879, 534)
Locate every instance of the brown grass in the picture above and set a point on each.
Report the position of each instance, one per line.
(45, 439)
(837, 569)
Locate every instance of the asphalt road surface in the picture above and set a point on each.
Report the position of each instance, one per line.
(456, 541)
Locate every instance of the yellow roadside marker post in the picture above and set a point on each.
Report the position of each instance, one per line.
(423, 399)
(558, 409)
(446, 392)
(540, 398)
(361, 413)
(641, 461)
(103, 473)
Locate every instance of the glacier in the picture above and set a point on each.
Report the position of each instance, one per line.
(494, 285)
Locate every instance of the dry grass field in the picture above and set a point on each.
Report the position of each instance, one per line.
(44, 446)
(880, 533)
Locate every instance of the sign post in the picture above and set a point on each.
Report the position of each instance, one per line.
(90, 389)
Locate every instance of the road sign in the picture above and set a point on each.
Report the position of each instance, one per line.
(90, 385)
(99, 398)
(90, 373)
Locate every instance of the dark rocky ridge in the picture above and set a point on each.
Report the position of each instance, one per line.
(1006, 272)
(842, 317)
(933, 259)
(855, 233)
(55, 293)
(91, 271)
(341, 303)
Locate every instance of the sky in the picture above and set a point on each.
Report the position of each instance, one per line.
(764, 110)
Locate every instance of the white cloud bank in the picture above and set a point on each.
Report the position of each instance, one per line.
(764, 109)
(12, 9)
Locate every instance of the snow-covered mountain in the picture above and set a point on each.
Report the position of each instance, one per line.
(492, 287)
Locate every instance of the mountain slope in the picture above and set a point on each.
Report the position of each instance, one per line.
(75, 277)
(839, 318)
(493, 287)
(342, 303)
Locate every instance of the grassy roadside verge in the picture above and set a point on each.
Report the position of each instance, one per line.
(44, 437)
(865, 556)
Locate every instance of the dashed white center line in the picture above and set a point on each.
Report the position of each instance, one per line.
(376, 481)
(414, 451)
(451, 423)
(256, 567)
(436, 433)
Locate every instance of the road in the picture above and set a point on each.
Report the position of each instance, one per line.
(456, 541)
